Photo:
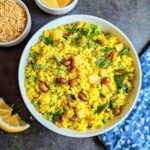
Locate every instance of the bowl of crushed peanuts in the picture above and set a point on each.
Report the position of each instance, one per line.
(15, 22)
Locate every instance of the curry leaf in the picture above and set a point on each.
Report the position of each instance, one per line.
(101, 108)
(73, 97)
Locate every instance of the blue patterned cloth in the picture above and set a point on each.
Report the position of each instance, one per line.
(134, 132)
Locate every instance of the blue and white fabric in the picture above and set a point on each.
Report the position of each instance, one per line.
(134, 132)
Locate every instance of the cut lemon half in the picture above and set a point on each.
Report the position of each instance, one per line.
(8, 122)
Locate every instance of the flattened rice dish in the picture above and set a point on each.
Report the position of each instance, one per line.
(79, 77)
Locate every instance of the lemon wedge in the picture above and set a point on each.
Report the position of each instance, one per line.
(8, 122)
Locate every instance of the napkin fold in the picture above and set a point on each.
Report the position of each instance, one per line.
(134, 132)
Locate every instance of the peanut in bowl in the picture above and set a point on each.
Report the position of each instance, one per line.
(75, 87)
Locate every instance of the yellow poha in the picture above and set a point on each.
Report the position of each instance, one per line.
(79, 77)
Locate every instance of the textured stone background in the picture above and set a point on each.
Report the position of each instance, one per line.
(131, 16)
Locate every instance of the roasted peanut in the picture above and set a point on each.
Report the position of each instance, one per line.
(67, 62)
(68, 34)
(117, 111)
(73, 82)
(43, 87)
(102, 42)
(62, 118)
(106, 80)
(81, 96)
(72, 69)
(111, 55)
(61, 80)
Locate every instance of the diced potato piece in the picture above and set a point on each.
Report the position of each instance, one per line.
(56, 34)
(93, 91)
(120, 47)
(103, 73)
(76, 60)
(93, 79)
(81, 113)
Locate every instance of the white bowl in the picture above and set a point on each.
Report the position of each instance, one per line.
(24, 34)
(56, 11)
(106, 27)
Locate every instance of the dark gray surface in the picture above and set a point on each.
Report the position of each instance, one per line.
(131, 16)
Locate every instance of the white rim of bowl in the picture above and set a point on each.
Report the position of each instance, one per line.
(51, 8)
(27, 24)
(98, 132)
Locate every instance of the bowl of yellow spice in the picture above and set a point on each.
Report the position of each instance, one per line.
(56, 7)
(15, 22)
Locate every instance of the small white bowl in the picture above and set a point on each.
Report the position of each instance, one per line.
(56, 11)
(106, 27)
(26, 31)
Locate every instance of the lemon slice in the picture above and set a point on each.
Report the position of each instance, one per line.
(8, 122)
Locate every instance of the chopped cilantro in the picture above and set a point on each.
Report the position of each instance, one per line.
(60, 72)
(125, 51)
(35, 103)
(47, 40)
(96, 30)
(56, 116)
(37, 67)
(97, 42)
(32, 77)
(85, 31)
(49, 118)
(104, 62)
(78, 38)
(73, 29)
(119, 79)
(35, 54)
(108, 35)
(109, 50)
(76, 42)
